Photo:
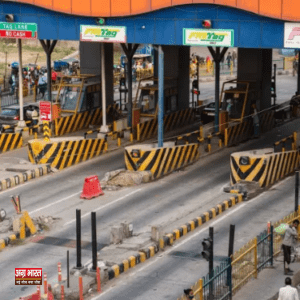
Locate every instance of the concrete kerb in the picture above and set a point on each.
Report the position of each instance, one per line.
(24, 177)
(170, 238)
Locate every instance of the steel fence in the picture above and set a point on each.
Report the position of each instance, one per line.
(245, 264)
(218, 286)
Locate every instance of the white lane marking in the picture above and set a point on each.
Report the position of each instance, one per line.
(53, 203)
(191, 237)
(104, 206)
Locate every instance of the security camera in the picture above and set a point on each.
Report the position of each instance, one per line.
(9, 18)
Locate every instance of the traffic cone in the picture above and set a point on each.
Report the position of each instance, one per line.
(91, 188)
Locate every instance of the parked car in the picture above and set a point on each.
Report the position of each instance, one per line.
(10, 115)
(208, 113)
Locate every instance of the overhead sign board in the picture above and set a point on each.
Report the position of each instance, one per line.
(108, 34)
(208, 37)
(45, 111)
(18, 30)
(291, 35)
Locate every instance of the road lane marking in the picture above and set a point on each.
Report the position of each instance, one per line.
(53, 203)
(104, 206)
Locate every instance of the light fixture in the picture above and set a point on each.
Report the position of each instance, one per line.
(244, 160)
(100, 21)
(206, 24)
(9, 18)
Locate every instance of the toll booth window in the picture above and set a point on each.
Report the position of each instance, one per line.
(97, 99)
(70, 97)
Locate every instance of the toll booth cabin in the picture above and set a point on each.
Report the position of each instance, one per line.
(79, 93)
(147, 96)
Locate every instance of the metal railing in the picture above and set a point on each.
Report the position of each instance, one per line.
(245, 264)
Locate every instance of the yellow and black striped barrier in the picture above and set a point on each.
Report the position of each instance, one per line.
(10, 141)
(172, 121)
(46, 131)
(287, 144)
(267, 120)
(238, 132)
(160, 161)
(132, 261)
(169, 238)
(81, 120)
(60, 153)
(27, 228)
(262, 166)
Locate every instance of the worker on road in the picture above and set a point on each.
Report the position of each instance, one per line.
(289, 235)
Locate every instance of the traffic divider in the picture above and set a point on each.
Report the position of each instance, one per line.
(132, 261)
(169, 238)
(172, 121)
(160, 161)
(24, 177)
(262, 166)
(61, 153)
(81, 120)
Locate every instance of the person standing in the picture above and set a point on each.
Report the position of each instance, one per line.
(234, 57)
(289, 235)
(295, 65)
(288, 292)
(228, 59)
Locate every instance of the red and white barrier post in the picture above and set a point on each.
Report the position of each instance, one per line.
(45, 284)
(62, 292)
(38, 292)
(59, 272)
(98, 280)
(80, 288)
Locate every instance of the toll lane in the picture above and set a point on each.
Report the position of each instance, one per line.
(170, 202)
(179, 266)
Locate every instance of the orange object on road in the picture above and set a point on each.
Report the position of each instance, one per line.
(91, 188)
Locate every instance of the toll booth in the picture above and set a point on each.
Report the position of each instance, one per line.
(236, 98)
(79, 93)
(147, 96)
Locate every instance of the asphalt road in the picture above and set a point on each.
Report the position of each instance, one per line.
(169, 202)
(177, 268)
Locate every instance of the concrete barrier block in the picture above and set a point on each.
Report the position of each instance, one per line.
(156, 233)
(116, 235)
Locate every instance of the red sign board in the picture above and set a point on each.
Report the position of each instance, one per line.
(45, 111)
(28, 276)
(16, 34)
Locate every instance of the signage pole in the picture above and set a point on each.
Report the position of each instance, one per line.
(104, 128)
(160, 96)
(21, 123)
(298, 77)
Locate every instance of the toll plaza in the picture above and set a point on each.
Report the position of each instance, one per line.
(162, 98)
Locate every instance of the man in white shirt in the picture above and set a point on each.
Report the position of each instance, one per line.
(288, 292)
